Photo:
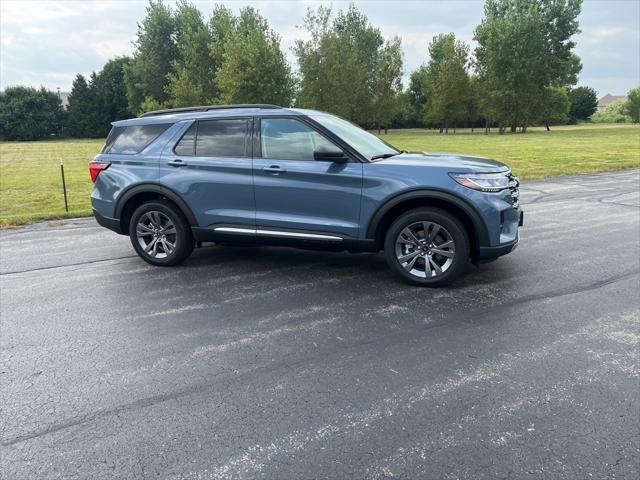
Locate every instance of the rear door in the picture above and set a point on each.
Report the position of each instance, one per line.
(294, 192)
(210, 167)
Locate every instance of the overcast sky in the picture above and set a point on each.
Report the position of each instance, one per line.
(48, 42)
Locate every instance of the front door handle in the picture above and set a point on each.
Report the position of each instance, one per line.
(274, 169)
(177, 163)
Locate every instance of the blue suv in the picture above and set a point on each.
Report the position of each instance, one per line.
(172, 179)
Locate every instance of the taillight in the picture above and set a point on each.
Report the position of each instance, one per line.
(96, 167)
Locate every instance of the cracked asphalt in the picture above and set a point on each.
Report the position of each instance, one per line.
(256, 362)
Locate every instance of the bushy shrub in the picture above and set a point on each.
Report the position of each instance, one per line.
(614, 113)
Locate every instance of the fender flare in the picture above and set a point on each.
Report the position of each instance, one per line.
(431, 194)
(130, 192)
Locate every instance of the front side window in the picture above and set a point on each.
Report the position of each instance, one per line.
(135, 138)
(366, 143)
(222, 138)
(288, 139)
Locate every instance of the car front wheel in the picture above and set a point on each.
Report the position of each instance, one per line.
(427, 247)
(160, 234)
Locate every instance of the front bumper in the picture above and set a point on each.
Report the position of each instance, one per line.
(110, 223)
(502, 249)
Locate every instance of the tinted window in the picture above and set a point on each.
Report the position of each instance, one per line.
(222, 138)
(288, 139)
(113, 134)
(187, 144)
(135, 138)
(363, 141)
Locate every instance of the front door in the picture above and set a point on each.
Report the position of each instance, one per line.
(294, 192)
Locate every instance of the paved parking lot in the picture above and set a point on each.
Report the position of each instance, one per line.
(287, 364)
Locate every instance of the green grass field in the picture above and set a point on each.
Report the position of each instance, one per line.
(31, 187)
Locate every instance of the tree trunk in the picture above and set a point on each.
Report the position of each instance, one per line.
(378, 128)
(513, 129)
(501, 130)
(386, 130)
(441, 130)
(546, 124)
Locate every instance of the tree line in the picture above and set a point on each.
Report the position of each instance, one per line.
(521, 72)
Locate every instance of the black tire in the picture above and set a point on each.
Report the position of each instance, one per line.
(183, 239)
(459, 250)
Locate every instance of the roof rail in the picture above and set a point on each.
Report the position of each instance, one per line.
(206, 108)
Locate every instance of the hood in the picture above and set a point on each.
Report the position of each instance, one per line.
(452, 161)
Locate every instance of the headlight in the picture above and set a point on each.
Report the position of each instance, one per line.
(485, 182)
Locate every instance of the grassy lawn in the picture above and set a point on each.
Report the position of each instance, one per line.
(564, 150)
(30, 181)
(31, 188)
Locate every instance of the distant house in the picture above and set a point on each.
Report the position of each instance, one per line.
(64, 97)
(608, 99)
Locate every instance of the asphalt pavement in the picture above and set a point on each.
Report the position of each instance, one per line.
(263, 362)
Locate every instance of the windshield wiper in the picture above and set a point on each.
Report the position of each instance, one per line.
(384, 155)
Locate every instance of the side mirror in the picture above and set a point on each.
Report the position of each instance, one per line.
(329, 153)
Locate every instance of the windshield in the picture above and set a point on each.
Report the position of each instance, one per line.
(364, 142)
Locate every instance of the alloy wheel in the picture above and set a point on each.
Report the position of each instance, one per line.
(425, 249)
(156, 234)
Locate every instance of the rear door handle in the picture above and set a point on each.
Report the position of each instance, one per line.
(177, 163)
(274, 169)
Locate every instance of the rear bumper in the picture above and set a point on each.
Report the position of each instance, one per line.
(110, 223)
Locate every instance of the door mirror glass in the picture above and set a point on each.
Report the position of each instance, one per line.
(329, 153)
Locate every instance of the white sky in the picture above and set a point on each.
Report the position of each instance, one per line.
(48, 42)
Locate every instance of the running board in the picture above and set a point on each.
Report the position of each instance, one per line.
(276, 233)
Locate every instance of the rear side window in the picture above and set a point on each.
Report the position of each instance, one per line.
(133, 139)
(187, 144)
(221, 138)
(113, 134)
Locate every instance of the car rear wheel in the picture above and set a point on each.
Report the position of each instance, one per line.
(427, 247)
(160, 234)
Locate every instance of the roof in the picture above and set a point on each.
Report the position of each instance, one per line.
(210, 111)
(608, 99)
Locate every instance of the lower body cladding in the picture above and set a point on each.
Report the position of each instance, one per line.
(318, 240)
(292, 238)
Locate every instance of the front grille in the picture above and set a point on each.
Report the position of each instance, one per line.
(514, 183)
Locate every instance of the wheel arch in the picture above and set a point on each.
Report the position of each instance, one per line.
(136, 195)
(466, 213)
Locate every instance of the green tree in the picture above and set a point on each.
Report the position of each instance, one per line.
(473, 102)
(338, 64)
(584, 103)
(416, 96)
(27, 113)
(525, 46)
(98, 101)
(632, 105)
(82, 109)
(446, 83)
(553, 107)
(154, 57)
(111, 95)
(387, 84)
(254, 69)
(192, 80)
(222, 24)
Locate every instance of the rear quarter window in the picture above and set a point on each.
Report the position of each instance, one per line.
(133, 139)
